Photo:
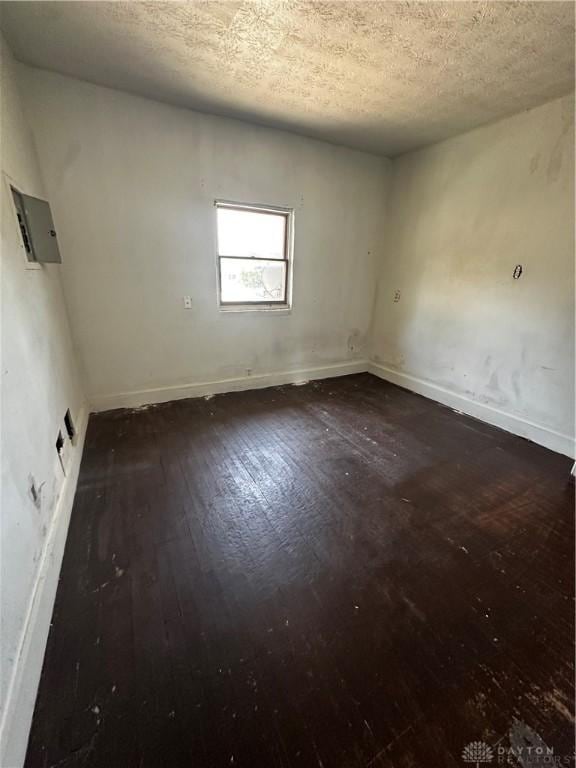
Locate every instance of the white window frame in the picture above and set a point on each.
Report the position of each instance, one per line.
(282, 306)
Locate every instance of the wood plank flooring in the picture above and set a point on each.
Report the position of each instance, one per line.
(339, 575)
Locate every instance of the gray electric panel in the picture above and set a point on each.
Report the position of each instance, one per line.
(37, 229)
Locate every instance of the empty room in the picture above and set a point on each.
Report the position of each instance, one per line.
(287, 355)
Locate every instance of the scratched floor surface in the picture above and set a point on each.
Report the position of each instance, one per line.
(341, 574)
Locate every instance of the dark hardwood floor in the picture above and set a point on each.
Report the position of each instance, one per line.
(341, 574)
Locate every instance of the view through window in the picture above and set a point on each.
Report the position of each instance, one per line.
(253, 254)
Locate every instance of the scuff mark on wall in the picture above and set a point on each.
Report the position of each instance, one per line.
(493, 383)
(561, 145)
(35, 492)
(461, 215)
(355, 343)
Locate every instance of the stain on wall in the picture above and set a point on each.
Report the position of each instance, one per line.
(133, 183)
(462, 215)
(40, 381)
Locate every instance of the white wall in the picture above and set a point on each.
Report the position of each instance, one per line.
(461, 215)
(39, 382)
(133, 184)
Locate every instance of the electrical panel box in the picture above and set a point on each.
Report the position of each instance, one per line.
(36, 228)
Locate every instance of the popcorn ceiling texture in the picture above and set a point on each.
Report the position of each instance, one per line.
(380, 76)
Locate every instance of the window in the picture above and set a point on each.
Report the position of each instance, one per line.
(254, 245)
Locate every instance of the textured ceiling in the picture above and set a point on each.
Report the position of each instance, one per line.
(381, 76)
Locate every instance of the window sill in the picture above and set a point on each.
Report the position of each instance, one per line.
(283, 309)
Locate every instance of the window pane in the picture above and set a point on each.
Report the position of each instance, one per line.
(249, 233)
(246, 280)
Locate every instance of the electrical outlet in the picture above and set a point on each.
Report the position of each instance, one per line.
(187, 302)
(396, 296)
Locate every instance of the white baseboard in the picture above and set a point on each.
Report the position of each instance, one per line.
(545, 436)
(549, 438)
(23, 686)
(201, 389)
